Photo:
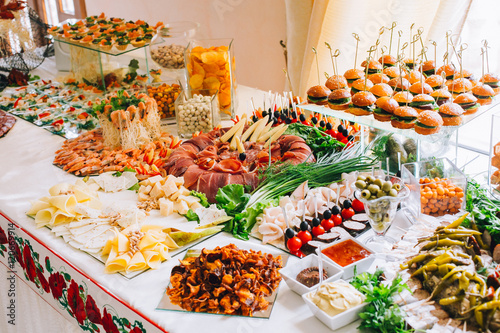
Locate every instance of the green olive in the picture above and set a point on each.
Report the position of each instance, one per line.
(360, 177)
(370, 179)
(360, 184)
(365, 194)
(386, 186)
(373, 188)
(393, 193)
(396, 186)
(380, 194)
(378, 182)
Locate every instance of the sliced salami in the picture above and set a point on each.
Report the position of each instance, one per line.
(6, 122)
(353, 225)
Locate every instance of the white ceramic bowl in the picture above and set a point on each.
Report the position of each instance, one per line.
(334, 322)
(361, 265)
(290, 272)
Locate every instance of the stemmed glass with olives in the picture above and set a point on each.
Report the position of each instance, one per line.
(381, 199)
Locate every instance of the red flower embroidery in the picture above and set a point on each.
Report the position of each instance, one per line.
(43, 281)
(76, 303)
(57, 284)
(29, 263)
(93, 312)
(107, 323)
(17, 255)
(3, 237)
(135, 330)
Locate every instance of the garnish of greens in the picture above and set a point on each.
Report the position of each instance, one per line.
(320, 143)
(381, 314)
(132, 71)
(483, 210)
(118, 102)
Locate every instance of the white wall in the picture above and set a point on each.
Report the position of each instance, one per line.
(257, 26)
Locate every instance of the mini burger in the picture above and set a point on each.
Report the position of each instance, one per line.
(468, 102)
(423, 102)
(428, 122)
(419, 88)
(394, 72)
(428, 67)
(441, 96)
(388, 60)
(339, 99)
(435, 81)
(403, 98)
(451, 114)
(399, 84)
(414, 76)
(359, 85)
(484, 93)
(362, 104)
(381, 89)
(385, 108)
(449, 70)
(318, 95)
(335, 82)
(352, 75)
(492, 81)
(404, 117)
(459, 86)
(465, 74)
(373, 67)
(378, 78)
(409, 63)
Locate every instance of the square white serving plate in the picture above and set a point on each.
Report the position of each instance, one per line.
(290, 272)
(334, 322)
(361, 265)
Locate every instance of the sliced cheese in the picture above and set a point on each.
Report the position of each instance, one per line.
(249, 132)
(274, 137)
(239, 145)
(258, 130)
(232, 131)
(264, 131)
(267, 135)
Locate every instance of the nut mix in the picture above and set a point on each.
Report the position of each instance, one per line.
(165, 96)
(439, 196)
(195, 115)
(169, 56)
(225, 280)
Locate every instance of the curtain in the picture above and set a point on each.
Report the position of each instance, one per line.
(312, 23)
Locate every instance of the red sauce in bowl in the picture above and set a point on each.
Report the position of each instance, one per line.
(346, 252)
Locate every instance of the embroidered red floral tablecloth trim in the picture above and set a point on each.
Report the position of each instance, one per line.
(71, 296)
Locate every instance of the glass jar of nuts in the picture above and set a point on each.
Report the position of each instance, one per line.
(197, 111)
(167, 48)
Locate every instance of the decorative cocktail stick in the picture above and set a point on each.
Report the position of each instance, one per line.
(485, 44)
(317, 64)
(482, 61)
(382, 51)
(411, 36)
(355, 35)
(420, 33)
(435, 51)
(335, 55)
(394, 24)
(288, 79)
(400, 33)
(331, 57)
(448, 34)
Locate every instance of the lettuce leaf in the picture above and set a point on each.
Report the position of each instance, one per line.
(232, 198)
(203, 198)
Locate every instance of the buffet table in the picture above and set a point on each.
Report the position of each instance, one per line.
(26, 172)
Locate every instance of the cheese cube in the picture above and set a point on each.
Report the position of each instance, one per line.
(175, 195)
(169, 187)
(145, 189)
(155, 179)
(190, 200)
(181, 207)
(184, 191)
(143, 197)
(195, 205)
(179, 181)
(166, 207)
(167, 179)
(157, 191)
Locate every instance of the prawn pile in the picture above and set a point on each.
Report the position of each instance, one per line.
(88, 155)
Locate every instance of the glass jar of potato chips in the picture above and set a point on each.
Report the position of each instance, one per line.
(210, 65)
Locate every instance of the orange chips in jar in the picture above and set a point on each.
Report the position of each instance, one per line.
(439, 196)
(209, 68)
